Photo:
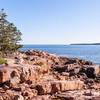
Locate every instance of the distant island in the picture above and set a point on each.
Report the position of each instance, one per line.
(86, 44)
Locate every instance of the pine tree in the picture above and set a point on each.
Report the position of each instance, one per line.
(10, 36)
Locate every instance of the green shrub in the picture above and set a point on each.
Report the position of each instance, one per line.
(2, 60)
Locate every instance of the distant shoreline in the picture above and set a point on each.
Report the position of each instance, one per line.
(86, 44)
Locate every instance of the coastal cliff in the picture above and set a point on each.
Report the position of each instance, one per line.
(36, 75)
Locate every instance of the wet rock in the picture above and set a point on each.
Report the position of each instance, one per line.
(83, 62)
(5, 87)
(90, 72)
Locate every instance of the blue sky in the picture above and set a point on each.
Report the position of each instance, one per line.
(55, 21)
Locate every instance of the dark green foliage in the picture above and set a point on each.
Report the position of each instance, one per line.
(2, 60)
(9, 35)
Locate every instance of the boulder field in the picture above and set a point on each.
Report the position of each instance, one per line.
(37, 75)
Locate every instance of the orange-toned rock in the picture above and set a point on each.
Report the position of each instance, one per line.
(14, 81)
(5, 96)
(4, 74)
(42, 76)
(56, 86)
(68, 85)
(96, 86)
(44, 88)
(29, 93)
(42, 97)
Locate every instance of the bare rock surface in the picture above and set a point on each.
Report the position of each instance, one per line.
(36, 75)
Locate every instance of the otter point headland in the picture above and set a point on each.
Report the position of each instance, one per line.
(35, 75)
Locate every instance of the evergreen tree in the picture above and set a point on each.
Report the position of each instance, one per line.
(10, 36)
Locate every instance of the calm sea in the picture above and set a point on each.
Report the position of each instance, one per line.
(88, 52)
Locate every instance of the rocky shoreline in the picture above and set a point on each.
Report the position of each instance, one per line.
(36, 75)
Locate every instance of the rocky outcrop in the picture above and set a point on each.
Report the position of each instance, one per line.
(56, 86)
(35, 75)
(78, 95)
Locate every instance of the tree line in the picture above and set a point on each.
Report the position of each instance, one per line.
(10, 36)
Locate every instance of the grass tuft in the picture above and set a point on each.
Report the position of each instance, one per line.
(2, 60)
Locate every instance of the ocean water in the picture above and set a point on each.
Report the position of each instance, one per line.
(87, 52)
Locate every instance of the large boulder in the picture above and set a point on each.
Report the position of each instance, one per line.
(90, 71)
(68, 85)
(56, 86)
